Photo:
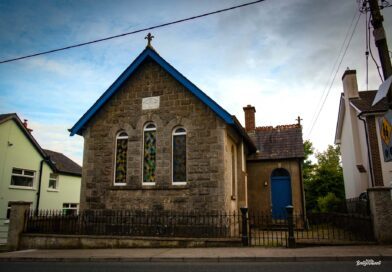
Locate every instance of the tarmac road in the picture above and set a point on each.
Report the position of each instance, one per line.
(227, 266)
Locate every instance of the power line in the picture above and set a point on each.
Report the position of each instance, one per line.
(130, 33)
(334, 66)
(336, 72)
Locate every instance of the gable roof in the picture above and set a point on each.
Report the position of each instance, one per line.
(58, 162)
(281, 142)
(64, 164)
(363, 105)
(149, 53)
(6, 116)
(365, 101)
(13, 116)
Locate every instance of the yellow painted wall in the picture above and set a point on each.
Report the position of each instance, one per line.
(16, 151)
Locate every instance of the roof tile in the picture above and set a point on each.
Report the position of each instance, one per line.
(281, 142)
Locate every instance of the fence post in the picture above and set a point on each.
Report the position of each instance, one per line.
(17, 223)
(290, 221)
(245, 238)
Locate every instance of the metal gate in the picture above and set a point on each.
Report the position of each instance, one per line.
(312, 229)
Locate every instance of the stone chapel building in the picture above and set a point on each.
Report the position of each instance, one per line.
(154, 141)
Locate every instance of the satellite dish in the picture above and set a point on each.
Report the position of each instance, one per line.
(382, 91)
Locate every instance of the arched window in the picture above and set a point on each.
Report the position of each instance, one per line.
(179, 155)
(280, 172)
(120, 174)
(149, 153)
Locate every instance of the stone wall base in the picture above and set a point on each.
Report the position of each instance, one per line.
(380, 200)
(49, 241)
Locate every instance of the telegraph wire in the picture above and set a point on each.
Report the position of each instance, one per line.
(132, 32)
(334, 65)
(335, 68)
(336, 72)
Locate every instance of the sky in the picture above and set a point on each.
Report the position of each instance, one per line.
(278, 55)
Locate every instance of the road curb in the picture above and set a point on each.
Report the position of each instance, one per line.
(197, 259)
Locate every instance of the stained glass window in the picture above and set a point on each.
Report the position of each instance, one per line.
(121, 158)
(149, 162)
(179, 155)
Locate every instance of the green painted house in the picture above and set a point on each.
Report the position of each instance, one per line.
(44, 178)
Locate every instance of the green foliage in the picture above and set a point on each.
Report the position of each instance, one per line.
(308, 165)
(323, 181)
(329, 203)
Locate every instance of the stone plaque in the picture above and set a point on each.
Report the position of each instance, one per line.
(150, 103)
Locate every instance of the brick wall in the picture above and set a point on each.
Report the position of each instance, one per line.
(204, 190)
(374, 150)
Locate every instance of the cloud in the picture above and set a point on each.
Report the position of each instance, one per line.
(276, 55)
(56, 137)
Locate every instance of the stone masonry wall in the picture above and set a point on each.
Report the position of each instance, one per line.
(204, 190)
(380, 200)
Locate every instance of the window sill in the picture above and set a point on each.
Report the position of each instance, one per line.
(141, 188)
(7, 221)
(148, 184)
(52, 190)
(119, 184)
(21, 187)
(179, 183)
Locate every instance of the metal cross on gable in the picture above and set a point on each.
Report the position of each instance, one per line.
(299, 119)
(149, 38)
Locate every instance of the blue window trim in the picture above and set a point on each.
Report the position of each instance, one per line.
(150, 53)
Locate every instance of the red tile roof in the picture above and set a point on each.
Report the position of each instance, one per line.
(280, 142)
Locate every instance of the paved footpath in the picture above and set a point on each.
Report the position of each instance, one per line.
(325, 253)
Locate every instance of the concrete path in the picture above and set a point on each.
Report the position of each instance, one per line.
(326, 253)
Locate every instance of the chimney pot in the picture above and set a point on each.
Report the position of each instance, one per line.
(25, 124)
(250, 122)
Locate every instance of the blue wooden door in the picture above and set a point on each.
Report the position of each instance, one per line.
(281, 196)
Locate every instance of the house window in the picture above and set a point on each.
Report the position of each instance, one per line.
(70, 208)
(121, 159)
(53, 181)
(179, 156)
(22, 178)
(233, 173)
(149, 154)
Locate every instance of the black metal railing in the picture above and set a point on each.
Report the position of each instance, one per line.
(315, 228)
(356, 206)
(266, 230)
(255, 229)
(334, 228)
(135, 223)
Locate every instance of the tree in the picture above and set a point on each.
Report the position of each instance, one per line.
(308, 165)
(324, 187)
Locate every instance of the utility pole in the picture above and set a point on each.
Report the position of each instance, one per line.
(381, 43)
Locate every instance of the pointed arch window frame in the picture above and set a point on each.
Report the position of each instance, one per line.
(182, 132)
(146, 128)
(121, 135)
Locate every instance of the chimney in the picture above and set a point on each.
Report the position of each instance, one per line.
(26, 125)
(250, 123)
(350, 85)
